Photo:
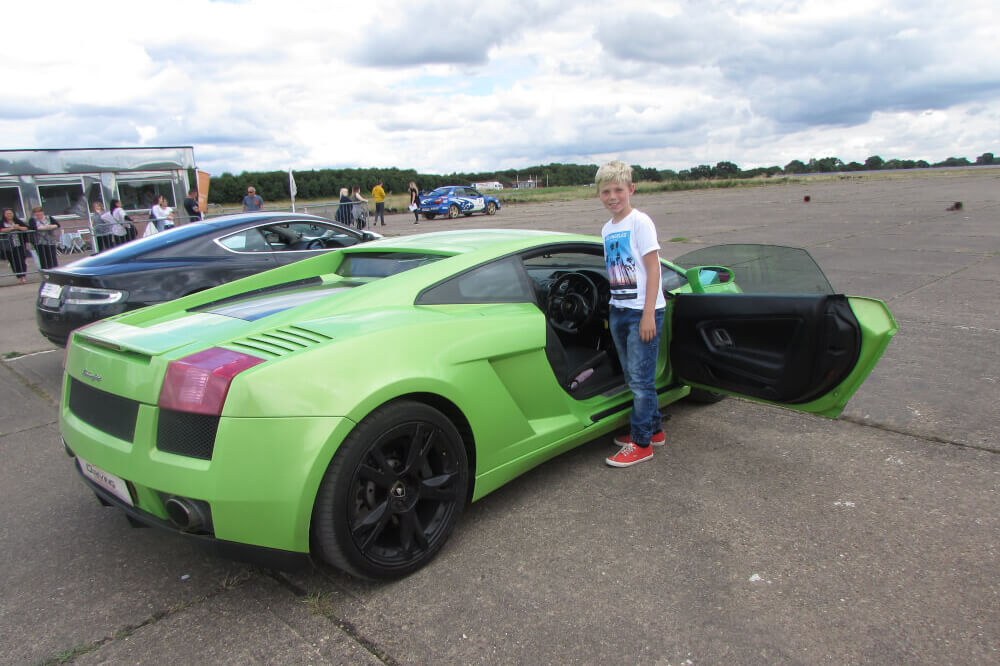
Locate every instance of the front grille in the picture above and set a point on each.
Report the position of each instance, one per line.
(105, 411)
(186, 434)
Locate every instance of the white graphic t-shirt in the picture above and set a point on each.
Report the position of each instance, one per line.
(625, 244)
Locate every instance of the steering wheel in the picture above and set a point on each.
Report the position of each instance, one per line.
(315, 243)
(572, 302)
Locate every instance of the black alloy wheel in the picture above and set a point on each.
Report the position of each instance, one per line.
(393, 492)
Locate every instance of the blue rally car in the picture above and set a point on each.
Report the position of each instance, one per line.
(455, 200)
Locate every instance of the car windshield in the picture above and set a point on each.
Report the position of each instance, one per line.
(382, 264)
(764, 269)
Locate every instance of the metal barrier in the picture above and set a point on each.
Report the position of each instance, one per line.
(355, 214)
(22, 255)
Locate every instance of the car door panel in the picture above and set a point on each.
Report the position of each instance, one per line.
(808, 352)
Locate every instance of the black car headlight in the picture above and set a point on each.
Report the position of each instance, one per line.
(92, 296)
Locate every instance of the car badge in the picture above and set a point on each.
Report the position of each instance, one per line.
(91, 375)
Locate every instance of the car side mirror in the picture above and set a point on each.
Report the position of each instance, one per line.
(700, 277)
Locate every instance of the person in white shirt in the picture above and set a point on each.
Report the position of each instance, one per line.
(162, 215)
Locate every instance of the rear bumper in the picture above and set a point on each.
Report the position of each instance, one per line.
(272, 558)
(57, 324)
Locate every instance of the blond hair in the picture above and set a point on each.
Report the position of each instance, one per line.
(615, 171)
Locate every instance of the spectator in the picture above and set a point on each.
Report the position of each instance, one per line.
(13, 243)
(191, 206)
(120, 224)
(162, 215)
(378, 194)
(345, 208)
(415, 202)
(101, 227)
(360, 207)
(252, 202)
(46, 233)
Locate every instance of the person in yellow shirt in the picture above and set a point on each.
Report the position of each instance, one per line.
(379, 195)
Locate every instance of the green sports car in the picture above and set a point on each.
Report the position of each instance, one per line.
(348, 406)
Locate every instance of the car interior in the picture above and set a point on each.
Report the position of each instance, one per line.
(572, 290)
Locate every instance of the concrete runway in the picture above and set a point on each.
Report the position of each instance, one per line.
(757, 535)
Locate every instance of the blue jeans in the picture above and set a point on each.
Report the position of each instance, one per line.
(638, 360)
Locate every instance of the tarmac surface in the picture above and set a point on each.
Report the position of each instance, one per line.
(757, 535)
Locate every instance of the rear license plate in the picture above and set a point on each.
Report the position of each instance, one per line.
(50, 290)
(113, 484)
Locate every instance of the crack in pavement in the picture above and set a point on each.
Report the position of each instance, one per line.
(321, 606)
(916, 435)
(227, 584)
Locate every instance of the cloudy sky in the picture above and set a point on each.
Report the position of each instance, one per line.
(447, 86)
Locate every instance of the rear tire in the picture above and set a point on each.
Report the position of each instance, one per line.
(453, 211)
(430, 216)
(392, 493)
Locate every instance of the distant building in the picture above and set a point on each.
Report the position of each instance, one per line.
(66, 181)
(526, 184)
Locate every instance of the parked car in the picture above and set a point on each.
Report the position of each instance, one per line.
(455, 200)
(178, 262)
(350, 405)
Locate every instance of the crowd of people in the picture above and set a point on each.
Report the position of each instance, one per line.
(40, 235)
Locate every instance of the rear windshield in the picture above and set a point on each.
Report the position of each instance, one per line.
(259, 303)
(254, 306)
(382, 264)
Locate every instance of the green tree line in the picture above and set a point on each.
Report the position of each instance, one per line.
(326, 183)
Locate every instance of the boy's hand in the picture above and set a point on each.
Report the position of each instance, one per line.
(647, 327)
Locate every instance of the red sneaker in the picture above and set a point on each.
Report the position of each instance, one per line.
(658, 439)
(630, 455)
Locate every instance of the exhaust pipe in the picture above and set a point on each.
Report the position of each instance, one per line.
(187, 515)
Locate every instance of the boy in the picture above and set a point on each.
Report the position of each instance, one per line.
(631, 253)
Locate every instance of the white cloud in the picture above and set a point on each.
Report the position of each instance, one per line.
(446, 86)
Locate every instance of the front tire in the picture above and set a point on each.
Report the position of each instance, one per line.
(392, 493)
(491, 208)
(453, 211)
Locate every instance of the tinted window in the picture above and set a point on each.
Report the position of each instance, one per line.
(764, 269)
(670, 278)
(248, 240)
(497, 282)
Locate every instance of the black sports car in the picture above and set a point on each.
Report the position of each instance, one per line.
(178, 262)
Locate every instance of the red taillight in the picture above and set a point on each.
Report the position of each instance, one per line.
(199, 383)
(438, 200)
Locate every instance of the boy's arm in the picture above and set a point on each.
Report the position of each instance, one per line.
(647, 325)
